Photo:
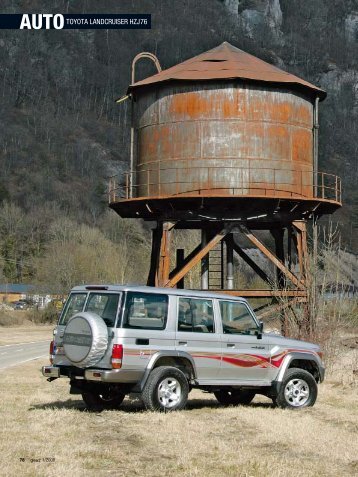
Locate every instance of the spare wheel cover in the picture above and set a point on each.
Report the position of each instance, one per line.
(85, 339)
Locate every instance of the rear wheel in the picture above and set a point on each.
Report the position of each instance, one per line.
(166, 389)
(106, 399)
(234, 397)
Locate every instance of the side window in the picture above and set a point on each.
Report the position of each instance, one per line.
(236, 318)
(73, 305)
(105, 305)
(145, 311)
(195, 315)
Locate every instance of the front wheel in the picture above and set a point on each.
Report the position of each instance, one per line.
(166, 389)
(234, 397)
(298, 390)
(106, 399)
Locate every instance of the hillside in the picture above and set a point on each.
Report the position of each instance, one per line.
(62, 135)
(318, 41)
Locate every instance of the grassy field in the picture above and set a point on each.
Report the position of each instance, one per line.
(46, 432)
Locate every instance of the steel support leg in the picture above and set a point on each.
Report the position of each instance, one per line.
(164, 259)
(154, 257)
(204, 262)
(303, 260)
(229, 261)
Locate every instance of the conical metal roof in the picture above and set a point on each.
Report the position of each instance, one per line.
(227, 62)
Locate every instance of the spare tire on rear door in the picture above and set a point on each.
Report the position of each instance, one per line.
(85, 339)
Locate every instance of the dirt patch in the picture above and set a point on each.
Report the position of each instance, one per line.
(351, 342)
(25, 334)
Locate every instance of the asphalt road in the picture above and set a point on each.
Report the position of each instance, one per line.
(12, 355)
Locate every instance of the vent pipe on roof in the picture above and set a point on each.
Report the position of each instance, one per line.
(148, 55)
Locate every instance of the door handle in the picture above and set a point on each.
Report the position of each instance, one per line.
(230, 345)
(142, 341)
(182, 343)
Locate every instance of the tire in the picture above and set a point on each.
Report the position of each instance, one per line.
(298, 390)
(234, 397)
(107, 399)
(85, 339)
(166, 389)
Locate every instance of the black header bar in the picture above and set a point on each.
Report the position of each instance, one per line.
(57, 21)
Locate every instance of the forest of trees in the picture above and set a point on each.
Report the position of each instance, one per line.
(62, 135)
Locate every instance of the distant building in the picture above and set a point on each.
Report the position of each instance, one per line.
(11, 292)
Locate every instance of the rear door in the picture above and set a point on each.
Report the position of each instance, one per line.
(245, 356)
(73, 305)
(145, 328)
(106, 305)
(197, 334)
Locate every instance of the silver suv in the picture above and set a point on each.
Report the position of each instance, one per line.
(114, 340)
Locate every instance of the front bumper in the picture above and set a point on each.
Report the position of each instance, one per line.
(99, 375)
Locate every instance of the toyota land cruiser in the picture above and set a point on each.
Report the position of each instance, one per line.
(114, 340)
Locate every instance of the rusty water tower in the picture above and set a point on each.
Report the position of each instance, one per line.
(227, 144)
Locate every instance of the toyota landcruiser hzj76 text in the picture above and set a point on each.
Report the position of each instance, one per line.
(114, 340)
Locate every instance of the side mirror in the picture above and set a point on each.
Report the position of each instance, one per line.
(260, 330)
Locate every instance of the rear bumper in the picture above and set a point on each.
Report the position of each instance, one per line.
(113, 375)
(99, 375)
(51, 371)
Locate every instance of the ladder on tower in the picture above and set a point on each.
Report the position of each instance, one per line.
(216, 268)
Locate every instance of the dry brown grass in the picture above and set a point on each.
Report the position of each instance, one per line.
(10, 318)
(41, 420)
(30, 317)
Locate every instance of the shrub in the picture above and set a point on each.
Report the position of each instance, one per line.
(47, 316)
(12, 318)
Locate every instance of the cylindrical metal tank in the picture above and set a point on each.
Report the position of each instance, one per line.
(218, 127)
(224, 138)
